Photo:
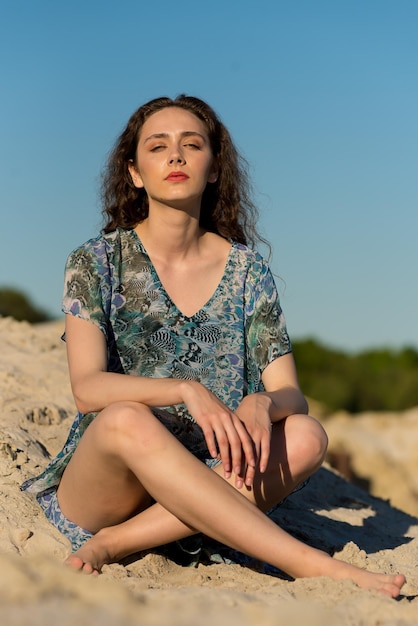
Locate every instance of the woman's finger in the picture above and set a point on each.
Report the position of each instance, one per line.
(265, 446)
(247, 443)
(225, 450)
(210, 440)
(249, 475)
(238, 440)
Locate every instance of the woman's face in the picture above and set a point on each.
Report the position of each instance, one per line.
(174, 160)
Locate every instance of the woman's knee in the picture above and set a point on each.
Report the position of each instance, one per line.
(123, 422)
(306, 440)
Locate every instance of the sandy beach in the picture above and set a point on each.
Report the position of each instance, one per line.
(377, 528)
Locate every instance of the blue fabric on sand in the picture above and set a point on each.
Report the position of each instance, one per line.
(48, 502)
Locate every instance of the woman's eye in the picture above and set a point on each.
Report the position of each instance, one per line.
(195, 146)
(157, 148)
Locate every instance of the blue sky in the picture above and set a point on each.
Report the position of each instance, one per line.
(321, 97)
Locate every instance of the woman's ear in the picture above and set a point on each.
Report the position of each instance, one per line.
(135, 175)
(214, 173)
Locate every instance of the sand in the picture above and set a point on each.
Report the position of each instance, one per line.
(378, 531)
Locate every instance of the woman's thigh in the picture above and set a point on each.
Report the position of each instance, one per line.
(97, 488)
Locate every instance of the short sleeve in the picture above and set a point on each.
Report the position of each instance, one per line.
(265, 326)
(85, 284)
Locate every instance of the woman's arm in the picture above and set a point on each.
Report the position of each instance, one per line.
(94, 388)
(282, 397)
(282, 388)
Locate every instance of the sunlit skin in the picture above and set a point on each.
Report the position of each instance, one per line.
(174, 160)
(267, 447)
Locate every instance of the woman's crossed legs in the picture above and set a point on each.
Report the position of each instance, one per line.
(127, 459)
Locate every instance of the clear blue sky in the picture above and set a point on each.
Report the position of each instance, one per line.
(321, 97)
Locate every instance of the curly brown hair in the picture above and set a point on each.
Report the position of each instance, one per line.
(227, 208)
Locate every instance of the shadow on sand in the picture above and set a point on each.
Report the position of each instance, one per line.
(383, 528)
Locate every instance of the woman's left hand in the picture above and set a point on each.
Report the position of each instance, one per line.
(254, 412)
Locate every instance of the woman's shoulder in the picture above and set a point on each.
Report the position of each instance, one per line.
(250, 257)
(103, 243)
(238, 256)
(241, 250)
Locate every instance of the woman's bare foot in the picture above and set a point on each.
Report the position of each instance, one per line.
(91, 557)
(387, 584)
(77, 563)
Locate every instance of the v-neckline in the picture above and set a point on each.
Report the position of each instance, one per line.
(143, 250)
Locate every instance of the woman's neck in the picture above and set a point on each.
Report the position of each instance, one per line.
(175, 236)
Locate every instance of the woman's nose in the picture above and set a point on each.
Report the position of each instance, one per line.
(176, 156)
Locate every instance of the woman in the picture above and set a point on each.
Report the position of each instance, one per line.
(190, 414)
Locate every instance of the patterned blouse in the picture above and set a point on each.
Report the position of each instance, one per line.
(111, 282)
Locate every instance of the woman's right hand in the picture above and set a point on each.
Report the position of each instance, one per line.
(222, 430)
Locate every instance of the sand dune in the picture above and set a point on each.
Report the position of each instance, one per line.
(377, 531)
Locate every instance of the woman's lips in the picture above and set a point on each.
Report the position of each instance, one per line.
(177, 176)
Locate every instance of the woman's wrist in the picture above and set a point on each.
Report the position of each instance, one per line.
(283, 403)
(187, 389)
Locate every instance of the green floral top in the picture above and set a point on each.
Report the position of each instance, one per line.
(111, 282)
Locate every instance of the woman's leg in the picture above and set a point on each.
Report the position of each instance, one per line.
(128, 441)
(297, 450)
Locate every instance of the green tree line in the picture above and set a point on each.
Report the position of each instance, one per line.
(14, 303)
(373, 380)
